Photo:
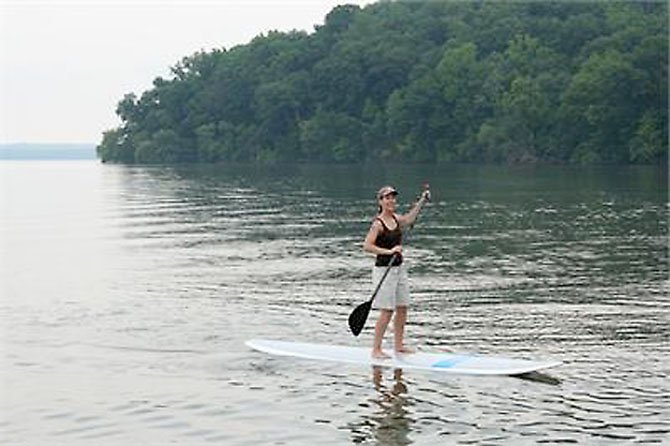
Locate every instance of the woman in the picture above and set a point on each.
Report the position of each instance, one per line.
(384, 239)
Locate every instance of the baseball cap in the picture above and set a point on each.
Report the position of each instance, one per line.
(386, 190)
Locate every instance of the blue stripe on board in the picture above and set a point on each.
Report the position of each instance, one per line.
(448, 363)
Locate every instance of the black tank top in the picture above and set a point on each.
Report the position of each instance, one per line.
(387, 239)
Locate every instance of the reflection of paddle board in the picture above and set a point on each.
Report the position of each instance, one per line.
(438, 362)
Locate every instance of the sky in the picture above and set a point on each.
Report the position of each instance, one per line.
(64, 65)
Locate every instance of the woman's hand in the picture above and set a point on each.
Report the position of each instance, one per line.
(396, 249)
(425, 195)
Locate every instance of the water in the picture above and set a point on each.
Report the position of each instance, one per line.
(128, 293)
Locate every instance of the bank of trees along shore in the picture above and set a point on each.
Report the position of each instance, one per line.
(437, 81)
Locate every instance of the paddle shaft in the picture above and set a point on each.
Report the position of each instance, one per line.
(386, 273)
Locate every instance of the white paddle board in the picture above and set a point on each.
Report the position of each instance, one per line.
(438, 362)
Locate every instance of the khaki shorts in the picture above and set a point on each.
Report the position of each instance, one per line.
(394, 292)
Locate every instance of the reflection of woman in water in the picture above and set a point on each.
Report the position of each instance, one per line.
(391, 423)
(386, 419)
(399, 386)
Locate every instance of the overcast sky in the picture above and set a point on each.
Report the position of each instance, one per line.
(64, 65)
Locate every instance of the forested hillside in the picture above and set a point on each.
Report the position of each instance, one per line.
(438, 81)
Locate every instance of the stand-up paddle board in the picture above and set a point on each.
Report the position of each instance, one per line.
(438, 362)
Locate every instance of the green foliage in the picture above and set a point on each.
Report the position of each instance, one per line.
(501, 82)
(331, 136)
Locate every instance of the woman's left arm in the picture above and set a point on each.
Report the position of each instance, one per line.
(409, 218)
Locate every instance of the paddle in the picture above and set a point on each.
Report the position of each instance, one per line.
(360, 314)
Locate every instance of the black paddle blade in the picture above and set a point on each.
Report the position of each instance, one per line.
(358, 317)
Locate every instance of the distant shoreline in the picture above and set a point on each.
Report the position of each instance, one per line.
(46, 151)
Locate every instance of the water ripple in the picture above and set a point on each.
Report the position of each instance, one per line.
(151, 279)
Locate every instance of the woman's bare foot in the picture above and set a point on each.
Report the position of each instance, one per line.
(379, 354)
(405, 350)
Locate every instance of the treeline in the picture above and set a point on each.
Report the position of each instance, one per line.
(437, 81)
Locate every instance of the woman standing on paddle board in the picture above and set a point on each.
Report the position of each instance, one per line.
(384, 239)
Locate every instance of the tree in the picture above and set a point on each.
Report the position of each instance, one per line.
(599, 98)
(504, 82)
(331, 136)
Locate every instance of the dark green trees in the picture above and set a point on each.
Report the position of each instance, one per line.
(501, 82)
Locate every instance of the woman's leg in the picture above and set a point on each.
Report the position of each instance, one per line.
(399, 329)
(380, 329)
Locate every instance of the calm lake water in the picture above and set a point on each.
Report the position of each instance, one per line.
(128, 293)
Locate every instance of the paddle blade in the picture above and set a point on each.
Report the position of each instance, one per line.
(358, 317)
